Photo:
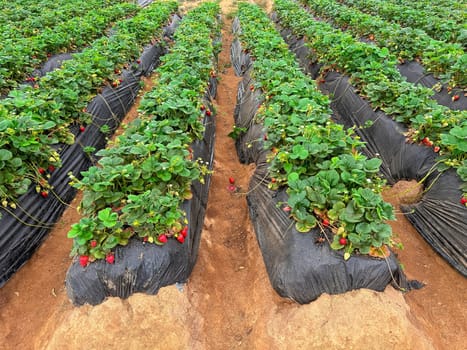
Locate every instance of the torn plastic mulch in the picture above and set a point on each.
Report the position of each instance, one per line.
(439, 217)
(24, 229)
(300, 266)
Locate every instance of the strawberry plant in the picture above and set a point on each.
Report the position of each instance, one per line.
(144, 176)
(329, 183)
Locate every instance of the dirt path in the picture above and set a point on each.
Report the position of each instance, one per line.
(441, 305)
(228, 302)
(229, 262)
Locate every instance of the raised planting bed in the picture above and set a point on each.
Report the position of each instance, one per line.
(144, 203)
(314, 199)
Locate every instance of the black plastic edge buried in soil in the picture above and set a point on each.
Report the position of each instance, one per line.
(300, 266)
(23, 230)
(438, 217)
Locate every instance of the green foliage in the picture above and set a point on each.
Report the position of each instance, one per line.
(450, 30)
(35, 120)
(327, 179)
(372, 70)
(442, 59)
(143, 177)
(81, 25)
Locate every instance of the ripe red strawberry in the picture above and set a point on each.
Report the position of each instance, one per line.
(138, 61)
(208, 113)
(162, 238)
(51, 168)
(436, 149)
(110, 258)
(231, 180)
(252, 87)
(325, 222)
(343, 241)
(273, 180)
(464, 200)
(426, 141)
(44, 194)
(180, 238)
(203, 107)
(114, 84)
(41, 171)
(145, 238)
(93, 243)
(83, 260)
(117, 71)
(184, 231)
(82, 128)
(455, 97)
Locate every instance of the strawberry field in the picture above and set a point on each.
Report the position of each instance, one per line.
(336, 102)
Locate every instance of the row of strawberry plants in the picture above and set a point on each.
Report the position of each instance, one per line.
(329, 182)
(445, 60)
(26, 22)
(34, 121)
(373, 72)
(445, 30)
(144, 176)
(448, 9)
(21, 56)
